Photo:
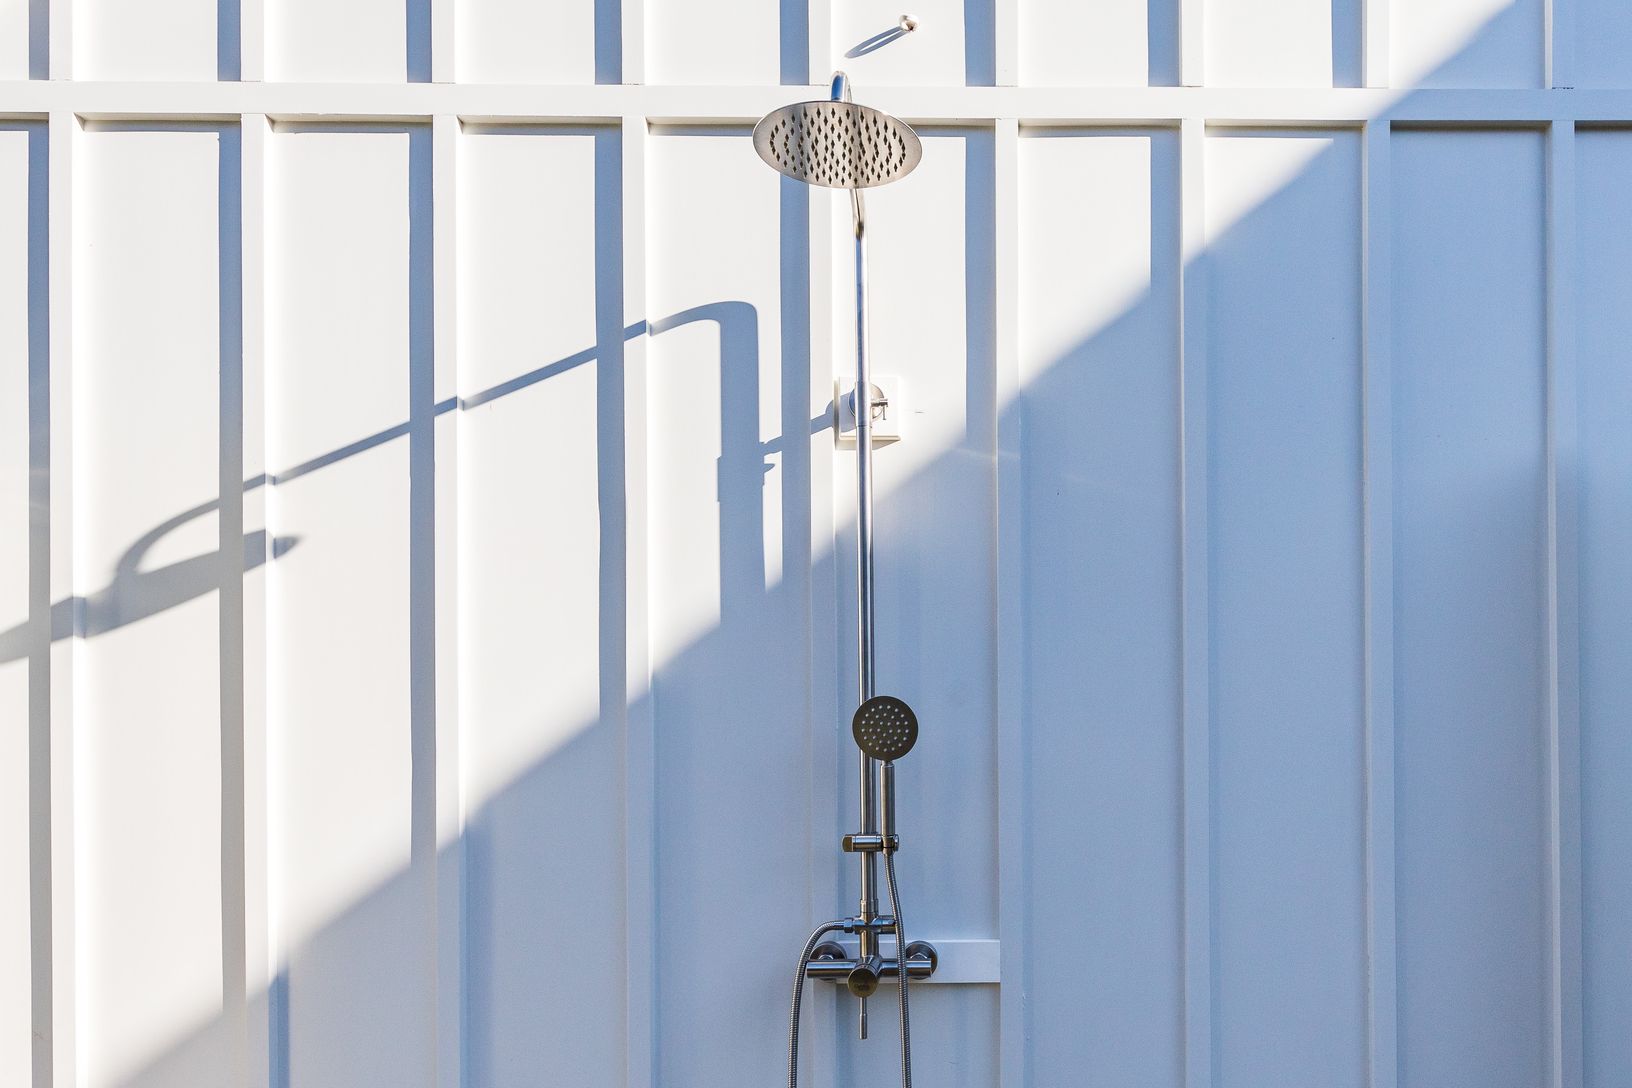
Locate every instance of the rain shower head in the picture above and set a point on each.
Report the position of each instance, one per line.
(837, 144)
(885, 728)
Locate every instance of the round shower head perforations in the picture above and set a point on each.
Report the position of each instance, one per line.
(839, 145)
(885, 727)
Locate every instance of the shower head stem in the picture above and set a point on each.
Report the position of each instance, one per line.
(858, 208)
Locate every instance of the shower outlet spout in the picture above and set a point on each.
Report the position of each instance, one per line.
(862, 974)
(834, 966)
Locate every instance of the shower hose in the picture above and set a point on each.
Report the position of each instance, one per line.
(900, 975)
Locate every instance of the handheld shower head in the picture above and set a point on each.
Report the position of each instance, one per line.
(839, 145)
(885, 728)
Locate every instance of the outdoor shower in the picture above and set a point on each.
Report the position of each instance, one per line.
(840, 145)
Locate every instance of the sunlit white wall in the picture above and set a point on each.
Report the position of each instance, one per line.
(426, 568)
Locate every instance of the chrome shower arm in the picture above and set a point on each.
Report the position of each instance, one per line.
(840, 92)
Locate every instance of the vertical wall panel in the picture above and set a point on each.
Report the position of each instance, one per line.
(1065, 43)
(1603, 44)
(341, 294)
(1466, 43)
(147, 717)
(493, 605)
(726, 614)
(1269, 43)
(520, 41)
(934, 638)
(1469, 635)
(723, 41)
(15, 273)
(150, 39)
(369, 41)
(1604, 331)
(14, 39)
(531, 453)
(1285, 507)
(1100, 425)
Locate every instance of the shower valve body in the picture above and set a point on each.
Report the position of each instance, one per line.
(922, 960)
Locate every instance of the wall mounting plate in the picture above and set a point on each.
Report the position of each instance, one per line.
(887, 419)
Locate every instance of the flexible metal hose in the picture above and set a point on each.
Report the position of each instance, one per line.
(799, 997)
(900, 971)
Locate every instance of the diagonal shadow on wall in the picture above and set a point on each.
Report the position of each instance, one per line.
(532, 847)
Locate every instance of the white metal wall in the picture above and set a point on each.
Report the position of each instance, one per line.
(425, 570)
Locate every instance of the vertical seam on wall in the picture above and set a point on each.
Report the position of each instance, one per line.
(63, 1024)
(640, 784)
(231, 559)
(449, 904)
(1377, 409)
(1197, 727)
(40, 574)
(252, 136)
(277, 965)
(422, 559)
(1013, 891)
(1563, 617)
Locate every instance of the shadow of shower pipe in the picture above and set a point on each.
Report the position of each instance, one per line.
(876, 42)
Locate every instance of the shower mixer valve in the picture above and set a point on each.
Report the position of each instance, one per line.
(885, 729)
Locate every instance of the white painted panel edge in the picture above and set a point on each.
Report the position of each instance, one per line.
(42, 545)
(444, 55)
(1374, 47)
(1197, 728)
(640, 741)
(445, 427)
(1558, 37)
(1013, 886)
(259, 969)
(251, 40)
(1006, 47)
(232, 499)
(1378, 441)
(61, 42)
(1563, 619)
(333, 103)
(1192, 43)
(59, 1067)
(634, 42)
